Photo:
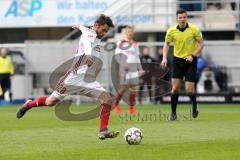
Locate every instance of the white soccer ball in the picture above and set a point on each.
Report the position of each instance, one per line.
(133, 136)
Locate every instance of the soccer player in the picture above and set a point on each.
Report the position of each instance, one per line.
(89, 45)
(188, 43)
(129, 70)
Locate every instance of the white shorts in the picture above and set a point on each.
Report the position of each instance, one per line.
(130, 78)
(75, 85)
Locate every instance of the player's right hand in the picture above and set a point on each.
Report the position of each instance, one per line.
(90, 61)
(164, 63)
(142, 72)
(76, 27)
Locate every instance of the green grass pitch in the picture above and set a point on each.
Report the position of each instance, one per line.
(40, 135)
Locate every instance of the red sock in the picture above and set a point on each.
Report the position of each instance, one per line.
(104, 115)
(37, 102)
(132, 99)
(118, 98)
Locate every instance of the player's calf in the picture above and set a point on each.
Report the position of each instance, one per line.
(106, 98)
(193, 99)
(42, 101)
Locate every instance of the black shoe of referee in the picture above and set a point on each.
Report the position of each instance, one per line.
(195, 114)
(172, 117)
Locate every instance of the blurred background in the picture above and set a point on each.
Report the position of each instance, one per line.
(39, 38)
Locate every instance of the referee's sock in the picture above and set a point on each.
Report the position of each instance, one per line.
(194, 101)
(174, 102)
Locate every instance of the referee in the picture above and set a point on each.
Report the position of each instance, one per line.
(188, 43)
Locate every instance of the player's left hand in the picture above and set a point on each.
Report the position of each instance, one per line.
(141, 73)
(76, 27)
(189, 58)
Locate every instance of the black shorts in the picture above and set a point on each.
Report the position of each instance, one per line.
(5, 81)
(185, 70)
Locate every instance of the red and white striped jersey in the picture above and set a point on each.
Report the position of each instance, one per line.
(88, 44)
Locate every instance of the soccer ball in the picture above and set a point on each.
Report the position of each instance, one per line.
(133, 136)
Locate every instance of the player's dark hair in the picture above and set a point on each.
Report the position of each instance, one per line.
(129, 27)
(103, 19)
(181, 11)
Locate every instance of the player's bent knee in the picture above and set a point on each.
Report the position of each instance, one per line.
(110, 99)
(51, 101)
(106, 98)
(175, 90)
(132, 90)
(190, 90)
